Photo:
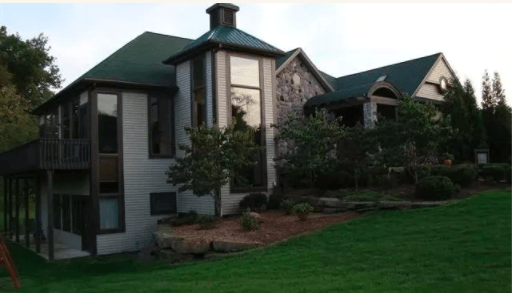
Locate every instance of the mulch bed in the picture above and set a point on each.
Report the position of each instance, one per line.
(274, 226)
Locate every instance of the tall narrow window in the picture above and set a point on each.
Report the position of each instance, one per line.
(109, 187)
(57, 211)
(66, 121)
(75, 121)
(199, 96)
(83, 117)
(246, 112)
(66, 213)
(161, 127)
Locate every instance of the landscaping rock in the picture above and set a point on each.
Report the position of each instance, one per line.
(255, 215)
(148, 251)
(398, 205)
(230, 246)
(173, 256)
(191, 245)
(165, 240)
(330, 202)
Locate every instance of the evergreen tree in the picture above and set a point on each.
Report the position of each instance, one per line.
(488, 100)
(501, 127)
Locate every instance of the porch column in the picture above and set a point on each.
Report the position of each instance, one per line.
(38, 213)
(27, 210)
(17, 210)
(11, 225)
(369, 114)
(50, 214)
(5, 205)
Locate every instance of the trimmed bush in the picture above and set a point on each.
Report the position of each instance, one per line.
(206, 222)
(248, 222)
(302, 210)
(496, 171)
(435, 188)
(254, 201)
(463, 174)
(287, 206)
(274, 200)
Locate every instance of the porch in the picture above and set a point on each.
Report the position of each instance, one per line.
(25, 170)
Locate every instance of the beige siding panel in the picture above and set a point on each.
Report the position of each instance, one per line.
(429, 91)
(441, 69)
(209, 90)
(187, 201)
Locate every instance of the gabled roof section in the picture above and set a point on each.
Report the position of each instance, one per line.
(290, 55)
(225, 36)
(405, 76)
(139, 62)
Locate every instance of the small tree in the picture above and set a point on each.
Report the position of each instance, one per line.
(413, 137)
(311, 150)
(211, 159)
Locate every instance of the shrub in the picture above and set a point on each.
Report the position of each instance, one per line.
(206, 222)
(274, 200)
(508, 174)
(463, 174)
(496, 171)
(287, 206)
(254, 201)
(435, 188)
(302, 210)
(248, 222)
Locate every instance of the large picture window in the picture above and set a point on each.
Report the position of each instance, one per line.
(246, 111)
(161, 126)
(199, 92)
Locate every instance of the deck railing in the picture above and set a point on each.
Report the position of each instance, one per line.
(44, 154)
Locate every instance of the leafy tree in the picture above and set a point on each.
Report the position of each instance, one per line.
(27, 75)
(211, 159)
(311, 145)
(461, 106)
(413, 137)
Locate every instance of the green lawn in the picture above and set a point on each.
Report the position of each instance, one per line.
(464, 247)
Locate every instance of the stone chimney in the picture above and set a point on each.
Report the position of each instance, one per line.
(222, 14)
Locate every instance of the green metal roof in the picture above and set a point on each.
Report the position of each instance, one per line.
(140, 61)
(137, 62)
(405, 76)
(227, 36)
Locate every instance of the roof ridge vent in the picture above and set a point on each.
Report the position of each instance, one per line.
(382, 78)
(222, 14)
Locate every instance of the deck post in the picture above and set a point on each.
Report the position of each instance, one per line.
(5, 204)
(50, 215)
(11, 225)
(38, 213)
(27, 215)
(17, 198)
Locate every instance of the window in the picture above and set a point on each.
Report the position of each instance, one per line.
(163, 203)
(56, 211)
(161, 126)
(109, 213)
(246, 111)
(66, 213)
(198, 89)
(66, 121)
(76, 214)
(109, 188)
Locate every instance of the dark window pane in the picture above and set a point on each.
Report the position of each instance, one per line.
(199, 107)
(161, 122)
(77, 217)
(108, 174)
(163, 203)
(66, 213)
(66, 121)
(198, 73)
(75, 121)
(107, 123)
(56, 211)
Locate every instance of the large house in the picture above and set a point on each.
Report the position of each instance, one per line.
(107, 139)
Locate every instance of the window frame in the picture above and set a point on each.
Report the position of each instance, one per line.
(152, 196)
(120, 194)
(152, 155)
(261, 89)
(194, 89)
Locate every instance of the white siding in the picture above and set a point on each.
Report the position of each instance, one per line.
(430, 89)
(209, 90)
(230, 201)
(187, 201)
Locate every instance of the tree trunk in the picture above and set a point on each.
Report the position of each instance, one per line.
(218, 206)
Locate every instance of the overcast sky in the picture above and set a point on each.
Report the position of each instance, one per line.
(339, 38)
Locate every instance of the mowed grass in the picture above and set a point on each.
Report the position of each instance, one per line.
(464, 247)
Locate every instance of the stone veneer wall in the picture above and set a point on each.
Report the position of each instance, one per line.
(295, 85)
(370, 114)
